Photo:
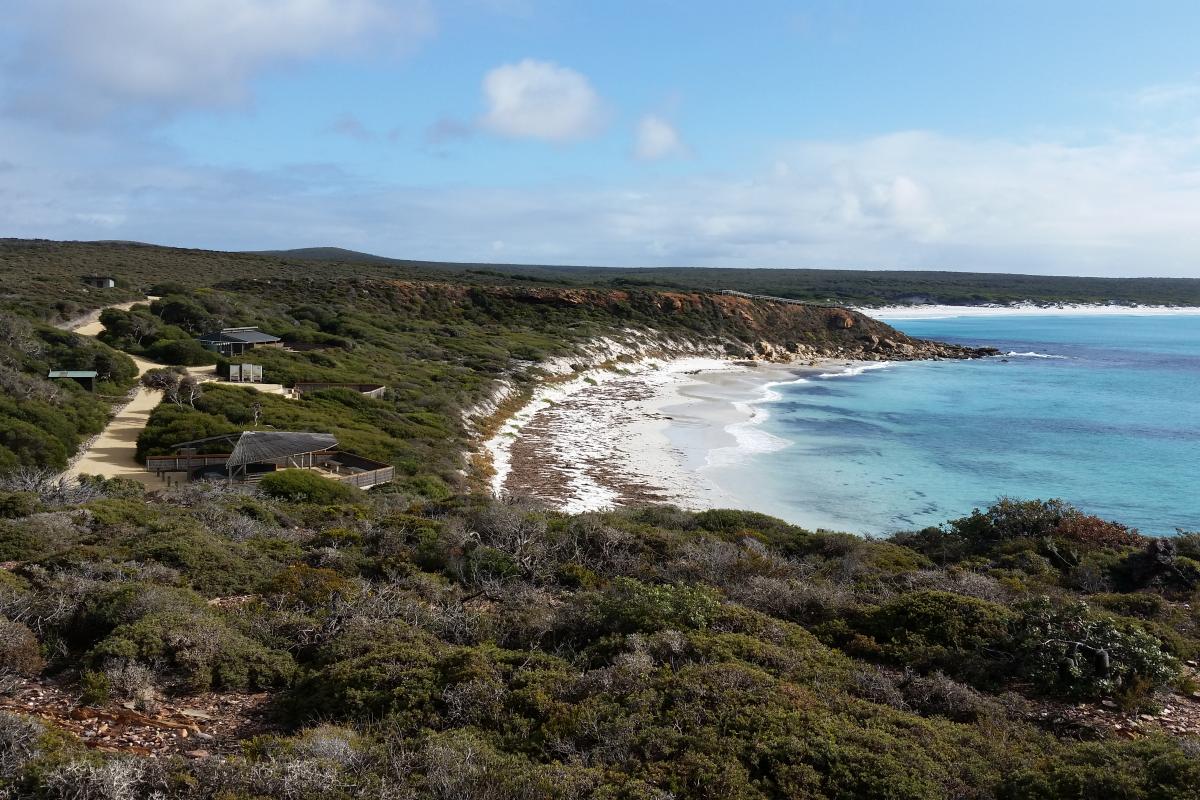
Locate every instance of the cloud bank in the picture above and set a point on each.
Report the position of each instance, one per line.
(83, 60)
(1126, 206)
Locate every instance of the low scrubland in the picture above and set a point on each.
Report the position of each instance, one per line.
(423, 641)
(473, 648)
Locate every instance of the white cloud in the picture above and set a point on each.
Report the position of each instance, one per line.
(541, 100)
(655, 139)
(84, 59)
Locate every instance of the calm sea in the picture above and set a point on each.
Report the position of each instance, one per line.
(1101, 411)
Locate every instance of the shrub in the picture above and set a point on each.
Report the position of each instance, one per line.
(303, 485)
(1011, 519)
(20, 743)
(198, 651)
(394, 676)
(182, 352)
(14, 505)
(630, 606)
(938, 618)
(1143, 769)
(20, 652)
(1066, 650)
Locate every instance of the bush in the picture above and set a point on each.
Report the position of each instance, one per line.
(1068, 651)
(20, 653)
(14, 505)
(304, 486)
(182, 352)
(1143, 769)
(196, 651)
(630, 606)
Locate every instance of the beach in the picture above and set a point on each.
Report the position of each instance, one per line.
(647, 433)
(887, 313)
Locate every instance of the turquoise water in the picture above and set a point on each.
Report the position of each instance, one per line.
(1102, 412)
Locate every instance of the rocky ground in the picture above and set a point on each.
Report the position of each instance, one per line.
(1178, 715)
(195, 727)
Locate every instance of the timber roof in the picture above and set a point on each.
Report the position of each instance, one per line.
(242, 335)
(253, 447)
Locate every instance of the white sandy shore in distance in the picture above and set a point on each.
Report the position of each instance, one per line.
(1021, 309)
(648, 433)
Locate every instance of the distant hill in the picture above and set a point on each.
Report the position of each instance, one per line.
(35, 269)
(852, 287)
(327, 254)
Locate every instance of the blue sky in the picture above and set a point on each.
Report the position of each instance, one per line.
(1018, 136)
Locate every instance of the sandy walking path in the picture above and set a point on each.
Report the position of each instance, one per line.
(89, 324)
(111, 454)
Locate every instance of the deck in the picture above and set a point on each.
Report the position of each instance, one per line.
(347, 468)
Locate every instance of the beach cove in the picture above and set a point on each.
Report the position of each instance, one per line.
(645, 433)
(875, 448)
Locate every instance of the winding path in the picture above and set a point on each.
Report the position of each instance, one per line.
(111, 454)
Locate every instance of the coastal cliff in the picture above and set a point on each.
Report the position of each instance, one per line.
(745, 327)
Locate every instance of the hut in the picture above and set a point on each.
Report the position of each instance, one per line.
(235, 341)
(100, 281)
(84, 377)
(257, 453)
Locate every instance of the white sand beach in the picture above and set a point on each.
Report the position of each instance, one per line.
(886, 313)
(646, 434)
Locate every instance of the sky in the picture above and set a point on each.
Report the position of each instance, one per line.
(983, 135)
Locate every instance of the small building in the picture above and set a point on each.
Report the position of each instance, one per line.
(258, 453)
(235, 341)
(100, 281)
(374, 390)
(84, 377)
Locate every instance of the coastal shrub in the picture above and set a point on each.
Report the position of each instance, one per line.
(304, 485)
(629, 606)
(1068, 651)
(1147, 768)
(928, 629)
(394, 677)
(182, 352)
(14, 505)
(194, 652)
(20, 651)
(1008, 518)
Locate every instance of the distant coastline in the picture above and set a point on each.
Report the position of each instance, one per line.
(934, 311)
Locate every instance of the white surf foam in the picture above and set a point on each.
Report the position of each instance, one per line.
(1033, 355)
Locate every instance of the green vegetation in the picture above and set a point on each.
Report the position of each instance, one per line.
(421, 641)
(445, 650)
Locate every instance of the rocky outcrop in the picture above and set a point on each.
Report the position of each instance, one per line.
(746, 327)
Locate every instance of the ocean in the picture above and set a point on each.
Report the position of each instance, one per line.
(1101, 411)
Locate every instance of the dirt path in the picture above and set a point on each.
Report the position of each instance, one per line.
(111, 454)
(89, 323)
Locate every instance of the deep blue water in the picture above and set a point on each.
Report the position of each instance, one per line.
(1110, 422)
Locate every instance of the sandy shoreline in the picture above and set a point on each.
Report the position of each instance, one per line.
(645, 434)
(886, 313)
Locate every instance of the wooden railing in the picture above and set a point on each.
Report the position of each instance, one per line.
(365, 480)
(184, 463)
